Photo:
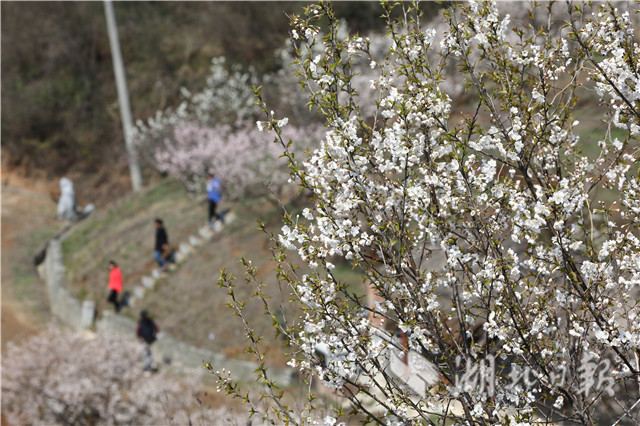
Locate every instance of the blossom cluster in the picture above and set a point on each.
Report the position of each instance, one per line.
(609, 34)
(212, 131)
(243, 156)
(496, 229)
(63, 377)
(225, 98)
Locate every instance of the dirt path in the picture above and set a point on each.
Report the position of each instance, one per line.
(28, 218)
(15, 324)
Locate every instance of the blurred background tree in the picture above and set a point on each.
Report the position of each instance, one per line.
(59, 103)
(58, 93)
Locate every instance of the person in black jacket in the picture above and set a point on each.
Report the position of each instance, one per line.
(146, 331)
(162, 251)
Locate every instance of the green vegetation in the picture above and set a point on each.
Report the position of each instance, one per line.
(187, 302)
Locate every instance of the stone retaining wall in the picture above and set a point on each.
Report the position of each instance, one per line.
(73, 312)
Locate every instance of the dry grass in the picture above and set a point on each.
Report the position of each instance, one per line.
(188, 303)
(28, 219)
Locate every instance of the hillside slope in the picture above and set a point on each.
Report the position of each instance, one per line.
(24, 301)
(187, 302)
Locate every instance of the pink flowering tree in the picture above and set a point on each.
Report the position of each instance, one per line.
(213, 130)
(67, 377)
(496, 235)
(244, 157)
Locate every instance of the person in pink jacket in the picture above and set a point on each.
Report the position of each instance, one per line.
(115, 285)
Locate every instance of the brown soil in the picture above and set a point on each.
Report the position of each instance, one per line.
(27, 213)
(15, 324)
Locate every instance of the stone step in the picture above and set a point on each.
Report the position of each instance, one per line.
(185, 249)
(148, 282)
(195, 241)
(138, 292)
(205, 233)
(217, 227)
(229, 217)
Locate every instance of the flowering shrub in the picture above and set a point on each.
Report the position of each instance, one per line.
(225, 98)
(498, 243)
(213, 131)
(70, 378)
(244, 157)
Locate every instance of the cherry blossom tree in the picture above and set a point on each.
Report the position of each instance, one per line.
(213, 130)
(225, 98)
(63, 377)
(243, 156)
(497, 240)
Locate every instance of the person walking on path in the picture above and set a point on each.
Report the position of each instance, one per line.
(214, 194)
(147, 331)
(115, 285)
(162, 245)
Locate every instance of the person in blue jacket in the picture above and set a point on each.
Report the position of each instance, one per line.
(214, 194)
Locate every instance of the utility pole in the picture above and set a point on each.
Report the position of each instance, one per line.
(123, 96)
